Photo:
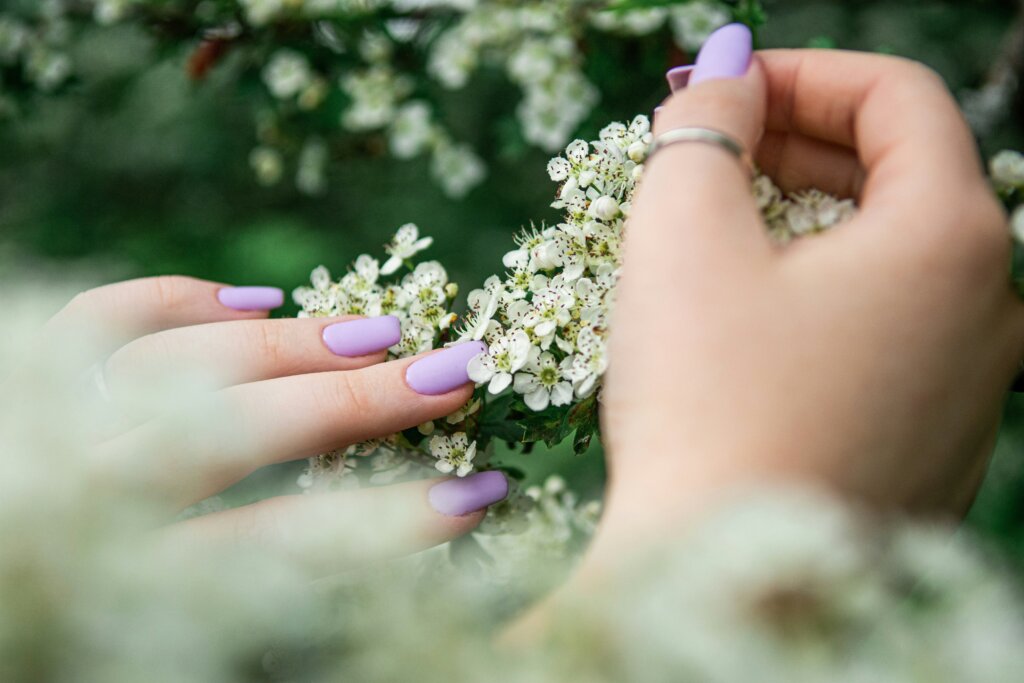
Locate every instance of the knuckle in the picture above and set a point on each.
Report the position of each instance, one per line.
(345, 395)
(171, 292)
(270, 345)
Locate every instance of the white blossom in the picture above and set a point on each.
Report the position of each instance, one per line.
(267, 164)
(412, 131)
(589, 363)
(542, 383)
(406, 244)
(507, 353)
(454, 453)
(287, 74)
(1007, 169)
(458, 169)
(694, 21)
(1017, 224)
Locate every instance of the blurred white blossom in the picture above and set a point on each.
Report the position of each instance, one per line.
(287, 74)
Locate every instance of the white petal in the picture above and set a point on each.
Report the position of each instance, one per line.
(391, 265)
(444, 467)
(586, 387)
(517, 259)
(500, 382)
(538, 400)
(561, 394)
(525, 383)
(440, 446)
(544, 328)
(479, 370)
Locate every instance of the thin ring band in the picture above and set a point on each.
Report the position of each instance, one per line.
(705, 136)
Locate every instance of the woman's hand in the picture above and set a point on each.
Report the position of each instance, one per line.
(271, 391)
(872, 359)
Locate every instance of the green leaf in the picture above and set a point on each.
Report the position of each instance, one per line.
(584, 417)
(495, 423)
(552, 427)
(581, 441)
(513, 472)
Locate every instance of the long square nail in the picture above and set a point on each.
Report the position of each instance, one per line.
(457, 497)
(726, 54)
(251, 298)
(443, 371)
(354, 338)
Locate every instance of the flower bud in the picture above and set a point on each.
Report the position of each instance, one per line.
(605, 208)
(637, 151)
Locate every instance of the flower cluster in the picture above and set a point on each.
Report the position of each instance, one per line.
(377, 69)
(544, 322)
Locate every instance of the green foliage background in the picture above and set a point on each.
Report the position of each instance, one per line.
(140, 172)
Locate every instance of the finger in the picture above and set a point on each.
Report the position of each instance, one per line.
(914, 144)
(318, 531)
(798, 162)
(231, 433)
(112, 315)
(695, 207)
(244, 351)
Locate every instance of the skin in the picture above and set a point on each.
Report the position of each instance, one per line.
(274, 393)
(871, 361)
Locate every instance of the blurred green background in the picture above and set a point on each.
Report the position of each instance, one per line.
(139, 171)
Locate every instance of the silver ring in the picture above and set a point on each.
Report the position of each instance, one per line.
(705, 136)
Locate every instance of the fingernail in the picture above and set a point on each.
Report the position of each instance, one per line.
(679, 77)
(251, 298)
(443, 371)
(726, 54)
(457, 497)
(356, 338)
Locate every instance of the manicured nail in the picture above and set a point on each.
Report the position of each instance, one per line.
(679, 77)
(726, 54)
(443, 371)
(251, 298)
(457, 497)
(356, 338)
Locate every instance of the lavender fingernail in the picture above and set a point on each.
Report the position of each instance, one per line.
(679, 77)
(457, 497)
(443, 371)
(726, 54)
(355, 338)
(251, 298)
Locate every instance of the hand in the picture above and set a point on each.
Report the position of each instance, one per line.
(272, 390)
(872, 359)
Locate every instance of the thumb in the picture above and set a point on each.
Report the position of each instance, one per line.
(696, 198)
